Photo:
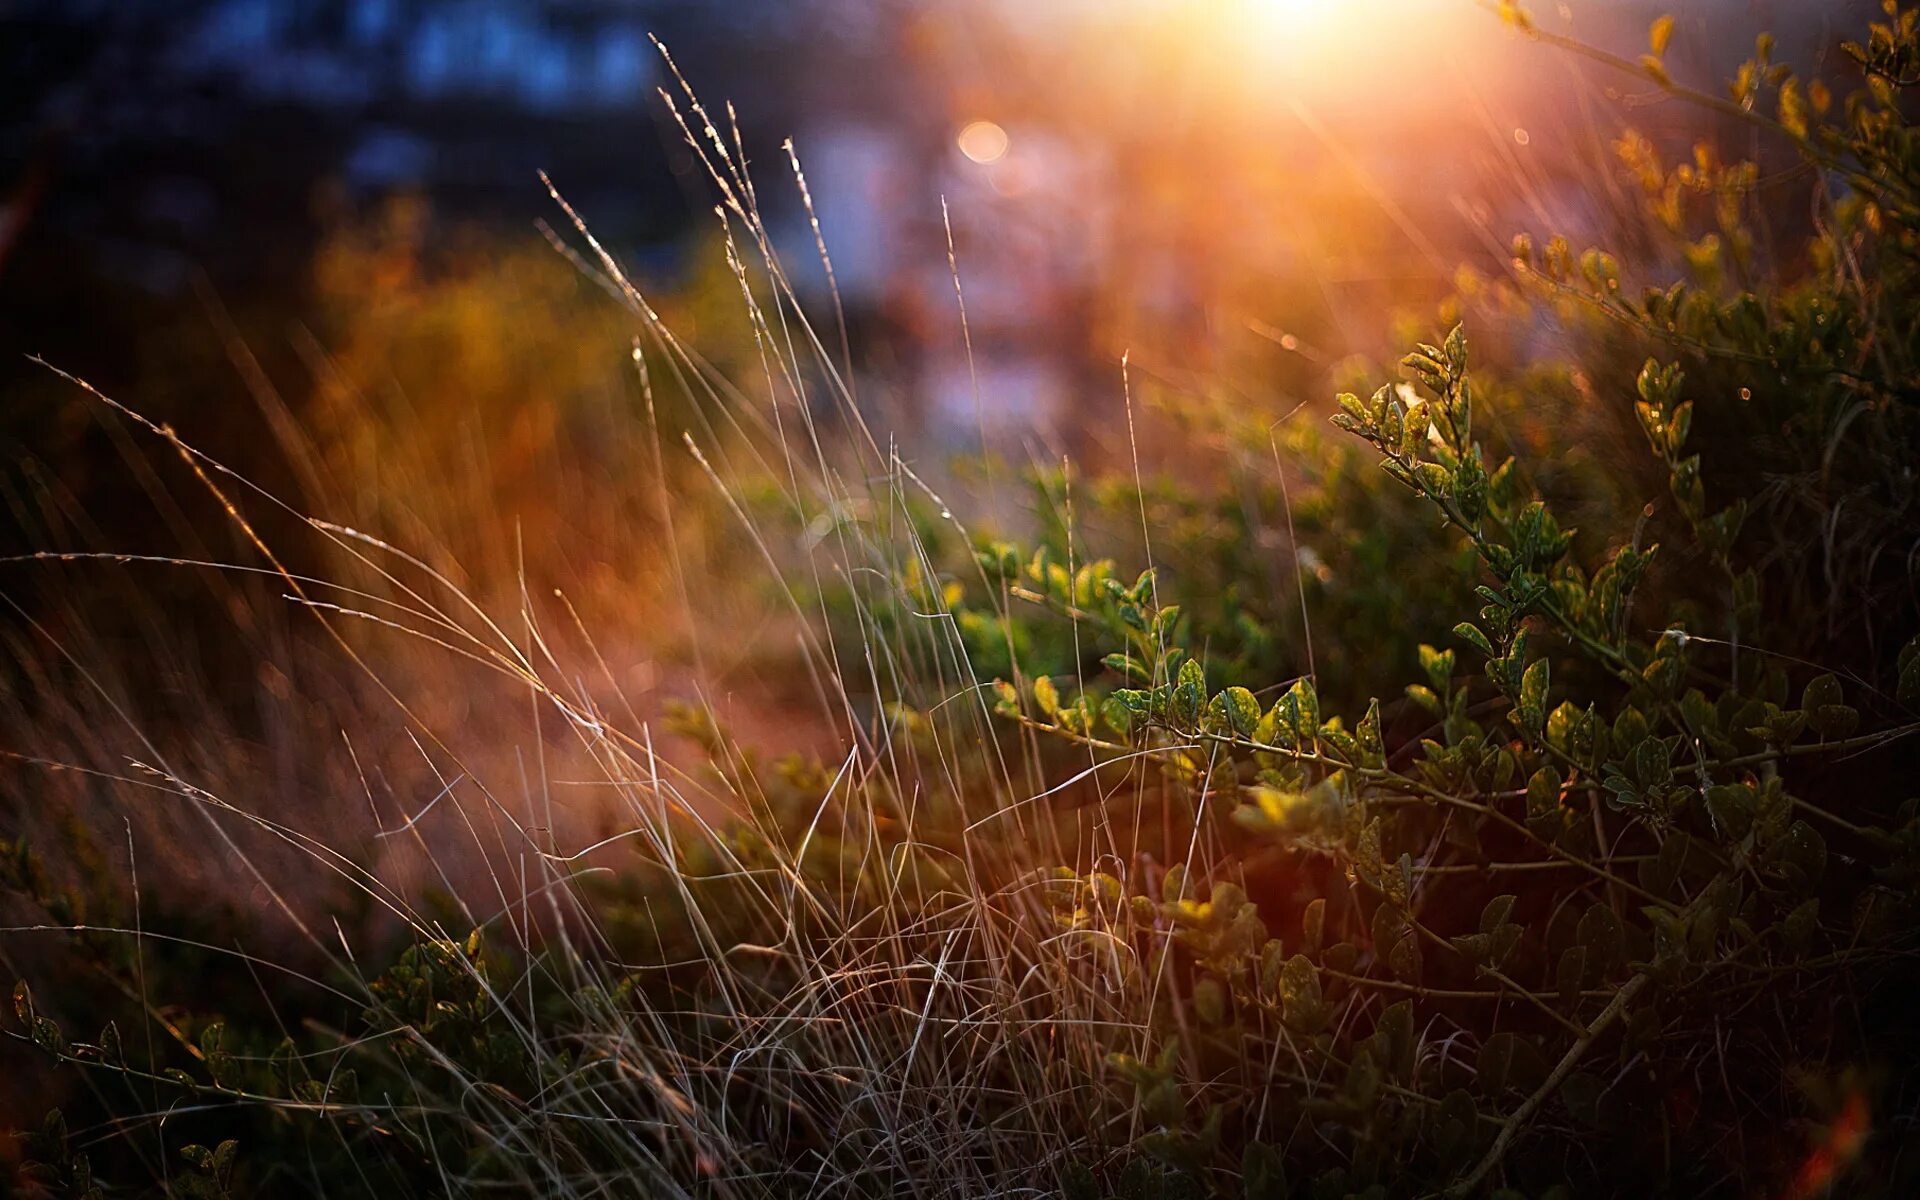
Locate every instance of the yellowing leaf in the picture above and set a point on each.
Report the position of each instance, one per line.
(1045, 696)
(1660, 33)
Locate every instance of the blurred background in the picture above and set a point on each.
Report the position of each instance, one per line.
(1181, 179)
(310, 236)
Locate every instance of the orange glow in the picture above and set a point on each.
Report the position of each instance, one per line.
(1841, 1144)
(1200, 166)
(1341, 50)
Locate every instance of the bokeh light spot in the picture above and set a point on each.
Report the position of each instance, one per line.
(983, 142)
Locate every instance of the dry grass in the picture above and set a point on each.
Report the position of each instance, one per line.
(881, 999)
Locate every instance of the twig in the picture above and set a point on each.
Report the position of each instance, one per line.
(1504, 1140)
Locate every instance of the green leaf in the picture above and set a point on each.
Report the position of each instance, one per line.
(1210, 1002)
(1702, 721)
(1405, 960)
(1397, 884)
(1833, 721)
(1659, 873)
(1242, 710)
(1603, 936)
(1165, 620)
(1732, 807)
(1826, 708)
(1664, 673)
(1395, 1031)
(1543, 792)
(1496, 912)
(1387, 926)
(1367, 861)
(1798, 928)
(1162, 1103)
(1313, 925)
(1434, 479)
(1800, 854)
(1504, 939)
(1822, 690)
(1272, 957)
(1263, 1174)
(1372, 750)
(1129, 666)
(1533, 694)
(1476, 948)
(1078, 1183)
(1301, 1006)
(1509, 1061)
(1173, 883)
(1470, 633)
(1305, 702)
(1565, 728)
(1227, 900)
(1362, 1085)
(48, 1037)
